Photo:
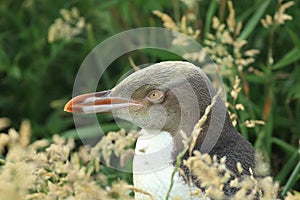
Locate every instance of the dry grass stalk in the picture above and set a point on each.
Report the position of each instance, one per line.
(280, 16)
(181, 26)
(57, 172)
(4, 123)
(198, 127)
(70, 25)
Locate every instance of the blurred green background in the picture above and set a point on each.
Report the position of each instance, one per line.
(38, 66)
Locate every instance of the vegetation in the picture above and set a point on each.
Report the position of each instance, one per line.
(255, 44)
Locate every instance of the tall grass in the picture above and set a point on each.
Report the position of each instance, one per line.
(37, 73)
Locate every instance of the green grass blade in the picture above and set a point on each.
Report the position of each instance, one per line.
(246, 14)
(292, 180)
(290, 57)
(284, 145)
(254, 20)
(210, 13)
(178, 161)
(287, 168)
(295, 38)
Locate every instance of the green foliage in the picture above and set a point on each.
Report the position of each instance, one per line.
(37, 75)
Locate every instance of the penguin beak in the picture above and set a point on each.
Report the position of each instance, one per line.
(98, 102)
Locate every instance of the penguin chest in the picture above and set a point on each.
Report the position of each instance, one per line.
(152, 168)
(158, 183)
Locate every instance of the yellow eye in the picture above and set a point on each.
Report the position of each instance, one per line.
(155, 96)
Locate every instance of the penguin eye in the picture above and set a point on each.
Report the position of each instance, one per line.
(155, 96)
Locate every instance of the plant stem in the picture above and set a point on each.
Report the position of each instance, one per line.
(178, 162)
(292, 180)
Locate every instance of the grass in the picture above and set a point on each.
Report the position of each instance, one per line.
(37, 75)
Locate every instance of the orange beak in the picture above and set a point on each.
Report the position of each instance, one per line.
(98, 102)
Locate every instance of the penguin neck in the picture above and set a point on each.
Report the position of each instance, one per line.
(152, 141)
(155, 147)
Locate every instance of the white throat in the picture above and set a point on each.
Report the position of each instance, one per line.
(152, 167)
(153, 151)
